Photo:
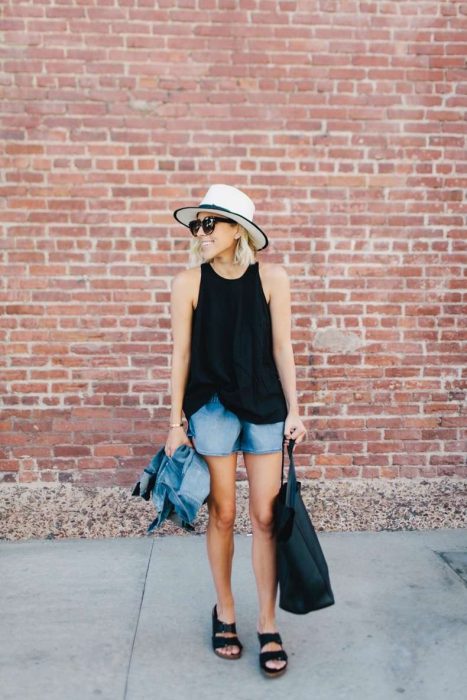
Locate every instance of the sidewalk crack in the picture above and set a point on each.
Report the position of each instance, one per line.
(125, 692)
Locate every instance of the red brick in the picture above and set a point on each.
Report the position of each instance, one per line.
(348, 131)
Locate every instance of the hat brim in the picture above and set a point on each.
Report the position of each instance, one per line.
(186, 214)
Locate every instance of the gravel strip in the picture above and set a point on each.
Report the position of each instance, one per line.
(65, 510)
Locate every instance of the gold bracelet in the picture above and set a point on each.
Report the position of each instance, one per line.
(175, 425)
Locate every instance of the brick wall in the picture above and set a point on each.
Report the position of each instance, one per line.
(344, 122)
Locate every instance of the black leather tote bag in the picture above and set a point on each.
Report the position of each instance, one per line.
(302, 571)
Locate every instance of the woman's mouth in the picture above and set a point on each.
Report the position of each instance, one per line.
(205, 243)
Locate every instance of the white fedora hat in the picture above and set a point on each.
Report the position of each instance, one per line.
(231, 202)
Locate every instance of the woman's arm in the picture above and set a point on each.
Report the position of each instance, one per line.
(181, 318)
(285, 364)
(281, 319)
(280, 308)
(179, 378)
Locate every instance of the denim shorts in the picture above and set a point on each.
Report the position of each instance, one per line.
(218, 431)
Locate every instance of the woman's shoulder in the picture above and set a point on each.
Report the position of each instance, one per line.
(271, 275)
(186, 278)
(187, 282)
(272, 272)
(271, 268)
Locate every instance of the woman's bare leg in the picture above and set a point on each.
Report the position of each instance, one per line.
(219, 535)
(264, 477)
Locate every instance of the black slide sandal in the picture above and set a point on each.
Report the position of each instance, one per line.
(277, 655)
(221, 641)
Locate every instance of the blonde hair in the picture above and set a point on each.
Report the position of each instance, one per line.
(245, 251)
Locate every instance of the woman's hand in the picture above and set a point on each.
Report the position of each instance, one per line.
(175, 438)
(294, 428)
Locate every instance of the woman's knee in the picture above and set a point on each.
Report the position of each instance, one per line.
(222, 514)
(221, 499)
(262, 520)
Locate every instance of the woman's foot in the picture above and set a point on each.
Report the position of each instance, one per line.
(270, 641)
(221, 633)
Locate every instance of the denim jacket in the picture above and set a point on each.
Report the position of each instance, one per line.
(179, 485)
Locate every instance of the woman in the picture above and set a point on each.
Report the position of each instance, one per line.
(233, 374)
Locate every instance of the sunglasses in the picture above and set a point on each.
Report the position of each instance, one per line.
(208, 224)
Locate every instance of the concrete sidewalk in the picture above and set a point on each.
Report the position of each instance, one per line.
(130, 619)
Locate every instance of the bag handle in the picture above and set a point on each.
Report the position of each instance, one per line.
(290, 447)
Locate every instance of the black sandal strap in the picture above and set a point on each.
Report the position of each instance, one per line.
(219, 626)
(267, 637)
(225, 626)
(278, 655)
(219, 642)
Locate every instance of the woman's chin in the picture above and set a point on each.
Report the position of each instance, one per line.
(207, 254)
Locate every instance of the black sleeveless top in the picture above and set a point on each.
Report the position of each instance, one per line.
(231, 349)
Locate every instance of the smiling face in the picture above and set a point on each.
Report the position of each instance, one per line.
(222, 240)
